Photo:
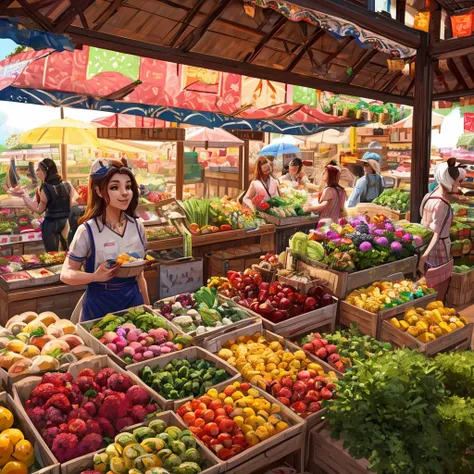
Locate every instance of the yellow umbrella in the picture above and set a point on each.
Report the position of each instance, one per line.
(63, 132)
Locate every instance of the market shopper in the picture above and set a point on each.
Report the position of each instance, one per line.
(263, 187)
(371, 185)
(54, 198)
(331, 200)
(293, 176)
(437, 215)
(109, 228)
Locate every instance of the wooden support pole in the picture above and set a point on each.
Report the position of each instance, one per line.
(63, 152)
(179, 169)
(421, 149)
(241, 168)
(401, 10)
(246, 149)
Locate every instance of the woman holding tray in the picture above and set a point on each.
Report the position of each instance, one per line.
(109, 228)
(437, 215)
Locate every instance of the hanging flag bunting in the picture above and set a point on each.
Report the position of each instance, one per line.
(469, 123)
(305, 95)
(104, 60)
(422, 21)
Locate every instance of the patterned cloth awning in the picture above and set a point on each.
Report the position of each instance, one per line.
(336, 26)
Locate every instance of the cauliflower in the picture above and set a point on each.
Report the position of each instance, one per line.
(57, 378)
(119, 383)
(113, 408)
(106, 428)
(55, 416)
(37, 416)
(78, 427)
(44, 391)
(49, 435)
(90, 408)
(59, 401)
(122, 423)
(104, 375)
(93, 427)
(137, 395)
(86, 383)
(138, 413)
(64, 447)
(79, 413)
(90, 443)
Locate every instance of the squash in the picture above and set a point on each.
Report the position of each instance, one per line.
(48, 318)
(41, 341)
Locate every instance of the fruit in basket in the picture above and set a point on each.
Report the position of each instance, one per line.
(239, 418)
(109, 401)
(428, 324)
(181, 378)
(385, 294)
(37, 343)
(144, 451)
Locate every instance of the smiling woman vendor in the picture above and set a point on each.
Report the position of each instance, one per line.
(109, 229)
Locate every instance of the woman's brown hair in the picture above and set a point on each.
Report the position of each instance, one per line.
(333, 176)
(262, 160)
(96, 205)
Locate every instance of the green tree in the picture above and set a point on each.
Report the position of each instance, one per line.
(19, 49)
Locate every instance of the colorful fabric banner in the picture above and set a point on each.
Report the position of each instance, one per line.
(103, 60)
(305, 95)
(469, 123)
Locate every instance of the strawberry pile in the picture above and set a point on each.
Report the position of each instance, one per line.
(321, 348)
(76, 417)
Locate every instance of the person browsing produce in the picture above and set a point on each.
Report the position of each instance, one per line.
(109, 229)
(437, 215)
(54, 199)
(263, 187)
(371, 185)
(294, 176)
(330, 202)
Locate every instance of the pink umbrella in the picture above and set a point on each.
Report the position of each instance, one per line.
(124, 120)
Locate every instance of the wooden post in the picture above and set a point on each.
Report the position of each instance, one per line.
(63, 152)
(421, 149)
(179, 169)
(401, 10)
(246, 148)
(241, 168)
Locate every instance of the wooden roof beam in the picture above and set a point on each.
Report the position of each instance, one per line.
(193, 38)
(452, 48)
(186, 21)
(308, 44)
(174, 55)
(30, 11)
(4, 4)
(457, 74)
(468, 67)
(68, 16)
(393, 82)
(261, 44)
(361, 63)
(444, 5)
(453, 96)
(366, 19)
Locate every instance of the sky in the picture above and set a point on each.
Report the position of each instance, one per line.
(17, 118)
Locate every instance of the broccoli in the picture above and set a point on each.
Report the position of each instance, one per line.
(183, 372)
(147, 375)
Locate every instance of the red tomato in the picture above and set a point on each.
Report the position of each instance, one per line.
(220, 412)
(206, 399)
(226, 426)
(213, 443)
(225, 439)
(228, 409)
(225, 453)
(189, 418)
(237, 448)
(244, 386)
(239, 439)
(211, 429)
(185, 408)
(215, 405)
(207, 415)
(199, 422)
(207, 439)
(198, 413)
(195, 404)
(220, 418)
(196, 431)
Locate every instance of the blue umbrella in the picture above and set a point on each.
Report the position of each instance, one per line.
(276, 149)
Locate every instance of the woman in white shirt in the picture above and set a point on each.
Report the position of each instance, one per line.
(109, 228)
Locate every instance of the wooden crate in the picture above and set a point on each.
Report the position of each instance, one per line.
(370, 323)
(216, 345)
(299, 286)
(48, 463)
(371, 210)
(461, 288)
(284, 443)
(22, 390)
(236, 259)
(191, 354)
(212, 465)
(328, 456)
(267, 275)
(181, 276)
(281, 221)
(199, 338)
(341, 283)
(320, 319)
(83, 330)
(459, 339)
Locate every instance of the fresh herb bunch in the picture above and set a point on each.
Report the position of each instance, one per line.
(386, 412)
(395, 199)
(458, 372)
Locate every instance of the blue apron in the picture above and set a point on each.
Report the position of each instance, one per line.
(115, 295)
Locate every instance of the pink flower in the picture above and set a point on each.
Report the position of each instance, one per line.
(417, 240)
(407, 238)
(383, 241)
(378, 232)
(389, 227)
(365, 247)
(396, 246)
